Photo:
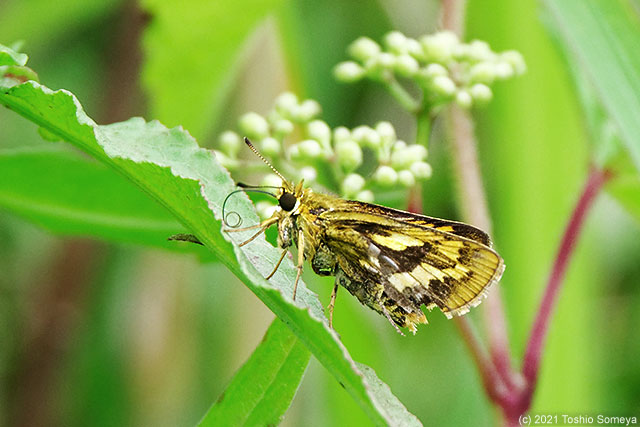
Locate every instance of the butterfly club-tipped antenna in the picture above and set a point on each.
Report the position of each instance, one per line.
(257, 153)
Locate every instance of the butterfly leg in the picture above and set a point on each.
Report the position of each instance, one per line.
(332, 303)
(277, 265)
(262, 226)
(388, 316)
(300, 261)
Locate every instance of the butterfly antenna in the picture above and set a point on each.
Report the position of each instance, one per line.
(257, 153)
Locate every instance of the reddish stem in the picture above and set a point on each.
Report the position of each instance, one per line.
(531, 362)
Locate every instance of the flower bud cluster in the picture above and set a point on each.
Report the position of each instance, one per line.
(319, 149)
(445, 68)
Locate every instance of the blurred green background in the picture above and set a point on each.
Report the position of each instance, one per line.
(125, 334)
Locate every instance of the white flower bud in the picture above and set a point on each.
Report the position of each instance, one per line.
(341, 133)
(349, 154)
(516, 60)
(270, 147)
(365, 196)
(309, 173)
(463, 99)
(385, 175)
(406, 178)
(439, 47)
(443, 86)
(479, 50)
(265, 209)
(396, 42)
(383, 61)
(307, 110)
(503, 70)
(483, 72)
(416, 152)
(271, 180)
(254, 125)
(421, 170)
(406, 65)
(364, 48)
(229, 143)
(348, 72)
(366, 136)
(286, 104)
(282, 127)
(414, 48)
(352, 184)
(432, 71)
(310, 148)
(480, 93)
(387, 132)
(320, 131)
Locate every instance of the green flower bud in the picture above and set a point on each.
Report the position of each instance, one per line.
(396, 42)
(463, 99)
(406, 65)
(282, 127)
(341, 133)
(348, 72)
(320, 131)
(349, 154)
(365, 196)
(406, 178)
(271, 180)
(352, 184)
(515, 59)
(480, 93)
(230, 143)
(483, 72)
(270, 147)
(443, 86)
(385, 175)
(254, 125)
(421, 170)
(364, 49)
(286, 104)
(380, 63)
(307, 110)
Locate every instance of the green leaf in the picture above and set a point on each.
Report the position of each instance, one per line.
(603, 39)
(191, 184)
(262, 390)
(188, 74)
(10, 57)
(64, 193)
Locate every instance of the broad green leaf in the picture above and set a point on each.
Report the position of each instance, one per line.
(603, 38)
(191, 184)
(188, 74)
(262, 390)
(60, 190)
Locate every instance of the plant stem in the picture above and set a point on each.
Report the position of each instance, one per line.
(423, 126)
(531, 361)
(401, 95)
(474, 209)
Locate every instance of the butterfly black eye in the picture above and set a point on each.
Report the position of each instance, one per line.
(287, 201)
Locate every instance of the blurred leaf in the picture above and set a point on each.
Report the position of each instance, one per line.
(603, 38)
(63, 192)
(262, 390)
(315, 35)
(625, 187)
(42, 21)
(188, 74)
(190, 183)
